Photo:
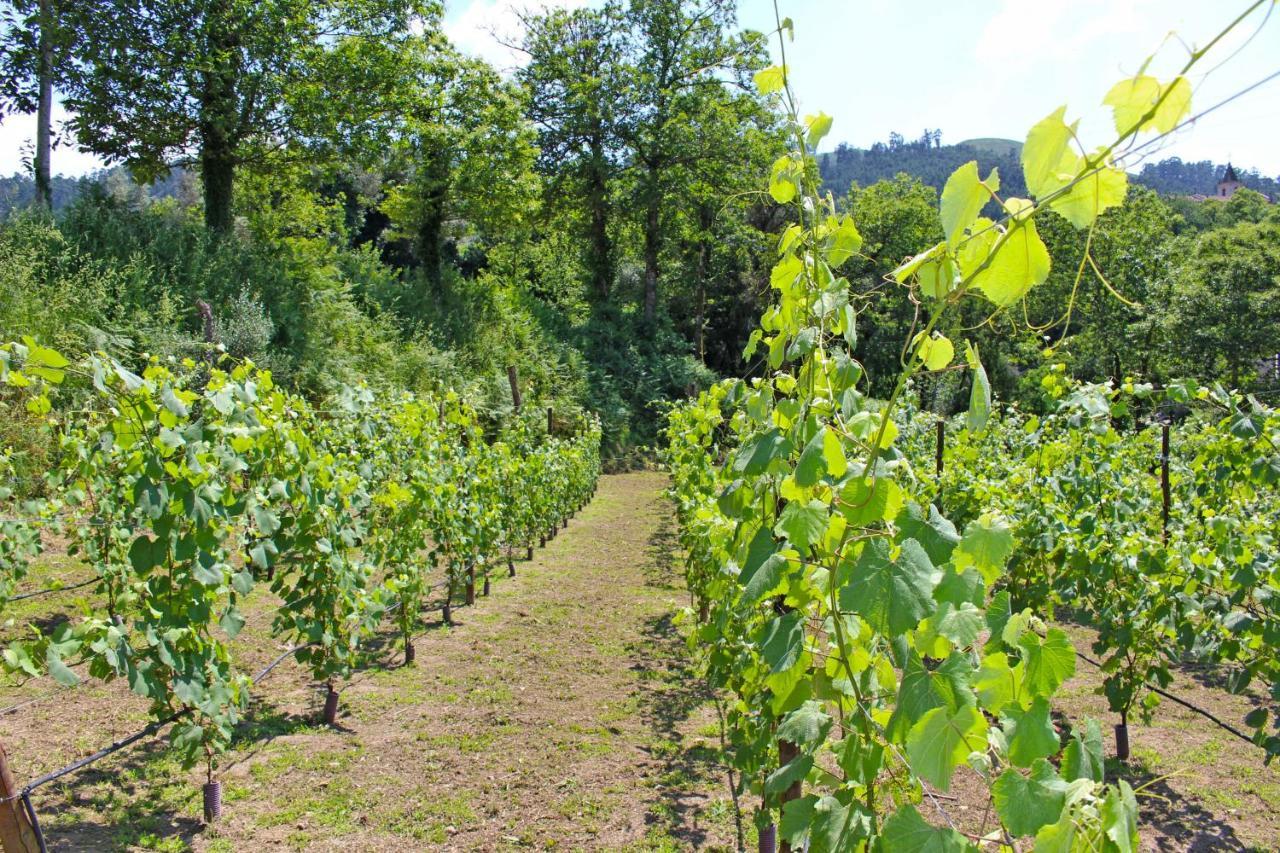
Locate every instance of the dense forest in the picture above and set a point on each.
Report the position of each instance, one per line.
(932, 162)
(356, 200)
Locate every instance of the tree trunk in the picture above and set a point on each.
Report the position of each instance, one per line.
(434, 190)
(700, 268)
(44, 110)
(219, 114)
(600, 249)
(218, 173)
(652, 240)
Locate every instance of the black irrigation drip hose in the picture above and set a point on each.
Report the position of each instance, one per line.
(25, 793)
(51, 590)
(151, 729)
(1184, 703)
(100, 754)
(35, 821)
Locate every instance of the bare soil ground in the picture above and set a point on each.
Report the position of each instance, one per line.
(559, 713)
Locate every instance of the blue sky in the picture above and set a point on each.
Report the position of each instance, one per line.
(969, 67)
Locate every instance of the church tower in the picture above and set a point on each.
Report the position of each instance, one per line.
(1229, 184)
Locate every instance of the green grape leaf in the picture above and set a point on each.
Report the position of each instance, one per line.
(936, 351)
(60, 671)
(986, 545)
(783, 641)
(1132, 100)
(979, 391)
(788, 774)
(1017, 262)
(812, 464)
(833, 454)
(817, 127)
(907, 832)
(912, 265)
(784, 179)
(922, 689)
(755, 456)
(893, 595)
(806, 726)
(172, 402)
(146, 553)
(1092, 194)
(770, 80)
(836, 827)
(866, 502)
(797, 816)
(941, 740)
(1049, 662)
(935, 534)
(845, 242)
(963, 198)
(47, 364)
(1030, 733)
(1083, 758)
(998, 685)
(1026, 804)
(1043, 151)
(231, 622)
(1120, 817)
(960, 623)
(960, 588)
(803, 524)
(763, 569)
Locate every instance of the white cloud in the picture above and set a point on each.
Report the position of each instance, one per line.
(483, 26)
(1026, 32)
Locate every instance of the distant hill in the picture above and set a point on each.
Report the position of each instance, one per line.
(1176, 177)
(18, 191)
(995, 146)
(932, 162)
(925, 158)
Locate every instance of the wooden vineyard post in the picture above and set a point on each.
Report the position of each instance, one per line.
(17, 835)
(471, 584)
(1164, 482)
(787, 752)
(551, 419)
(513, 376)
(937, 463)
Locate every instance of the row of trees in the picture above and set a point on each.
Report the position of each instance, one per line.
(1175, 288)
(611, 179)
(633, 103)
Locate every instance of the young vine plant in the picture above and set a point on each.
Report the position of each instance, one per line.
(869, 650)
(186, 486)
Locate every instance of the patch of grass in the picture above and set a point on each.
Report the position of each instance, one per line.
(295, 759)
(430, 817)
(467, 742)
(338, 810)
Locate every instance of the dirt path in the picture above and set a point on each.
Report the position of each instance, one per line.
(559, 712)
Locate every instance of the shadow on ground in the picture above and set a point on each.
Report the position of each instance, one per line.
(672, 692)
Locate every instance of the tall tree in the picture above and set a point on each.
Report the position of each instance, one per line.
(576, 83)
(229, 83)
(682, 53)
(714, 214)
(464, 156)
(38, 51)
(1222, 319)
